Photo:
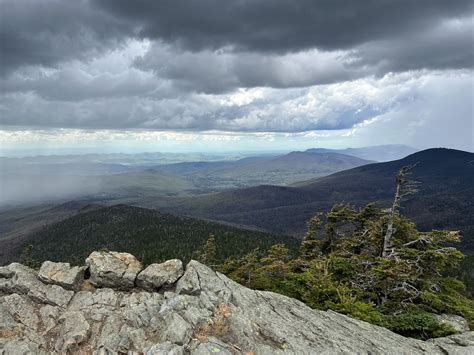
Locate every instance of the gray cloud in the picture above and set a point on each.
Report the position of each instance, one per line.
(281, 25)
(216, 72)
(47, 32)
(74, 84)
(325, 107)
(447, 45)
(160, 65)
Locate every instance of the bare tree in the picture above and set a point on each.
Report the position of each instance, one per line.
(404, 188)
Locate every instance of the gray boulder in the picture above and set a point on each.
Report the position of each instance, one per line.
(176, 329)
(455, 344)
(202, 312)
(158, 275)
(24, 280)
(113, 269)
(61, 274)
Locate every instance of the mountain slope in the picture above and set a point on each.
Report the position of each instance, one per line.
(152, 235)
(303, 162)
(445, 199)
(378, 153)
(16, 224)
(280, 170)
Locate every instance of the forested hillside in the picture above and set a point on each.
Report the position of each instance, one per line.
(151, 235)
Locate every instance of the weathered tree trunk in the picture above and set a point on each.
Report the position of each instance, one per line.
(404, 187)
(387, 246)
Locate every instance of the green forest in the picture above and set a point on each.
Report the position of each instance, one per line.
(148, 234)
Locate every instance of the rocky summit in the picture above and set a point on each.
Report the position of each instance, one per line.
(114, 306)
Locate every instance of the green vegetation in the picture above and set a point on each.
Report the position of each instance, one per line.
(264, 170)
(466, 273)
(343, 269)
(149, 235)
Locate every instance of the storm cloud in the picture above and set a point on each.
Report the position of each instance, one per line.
(281, 26)
(250, 66)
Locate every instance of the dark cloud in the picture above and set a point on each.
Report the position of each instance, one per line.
(447, 45)
(46, 32)
(210, 72)
(281, 25)
(179, 64)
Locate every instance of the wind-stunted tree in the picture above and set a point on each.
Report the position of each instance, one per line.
(310, 246)
(404, 187)
(208, 252)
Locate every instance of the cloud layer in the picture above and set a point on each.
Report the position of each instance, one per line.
(241, 66)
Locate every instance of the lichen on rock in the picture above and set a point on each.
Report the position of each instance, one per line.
(157, 275)
(61, 274)
(112, 269)
(168, 311)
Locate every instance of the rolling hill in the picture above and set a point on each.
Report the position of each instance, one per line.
(378, 153)
(149, 234)
(445, 199)
(253, 171)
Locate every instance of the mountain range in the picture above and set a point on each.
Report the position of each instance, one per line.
(254, 171)
(241, 218)
(26, 180)
(445, 198)
(379, 153)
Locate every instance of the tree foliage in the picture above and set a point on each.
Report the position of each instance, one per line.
(208, 253)
(344, 265)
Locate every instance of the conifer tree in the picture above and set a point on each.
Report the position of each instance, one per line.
(208, 253)
(310, 246)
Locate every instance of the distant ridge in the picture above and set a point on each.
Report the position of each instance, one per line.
(276, 170)
(379, 153)
(445, 199)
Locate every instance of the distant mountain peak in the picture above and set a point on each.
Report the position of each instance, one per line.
(385, 152)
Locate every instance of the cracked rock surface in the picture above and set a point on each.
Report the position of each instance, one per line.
(61, 274)
(112, 269)
(195, 312)
(157, 275)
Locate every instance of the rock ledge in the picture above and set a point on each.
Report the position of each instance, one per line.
(165, 311)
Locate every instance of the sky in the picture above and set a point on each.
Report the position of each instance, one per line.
(242, 75)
